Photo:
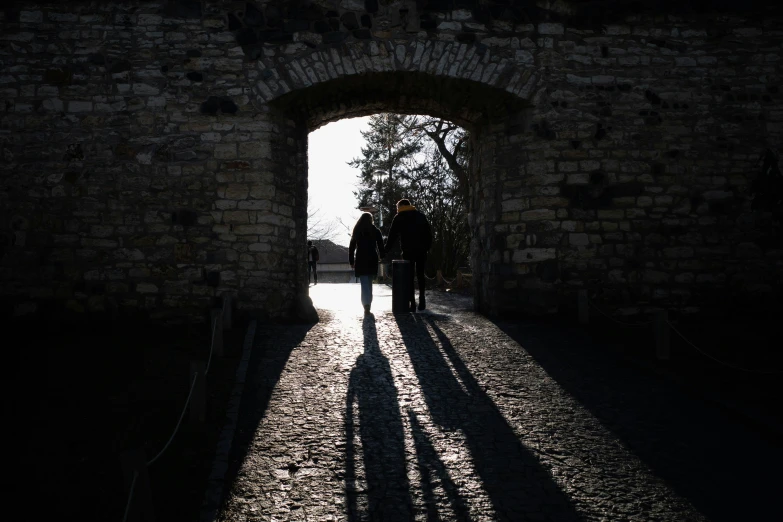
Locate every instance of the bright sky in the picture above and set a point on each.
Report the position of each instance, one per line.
(331, 180)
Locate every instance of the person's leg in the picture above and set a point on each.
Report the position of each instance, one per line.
(309, 272)
(315, 272)
(366, 291)
(421, 262)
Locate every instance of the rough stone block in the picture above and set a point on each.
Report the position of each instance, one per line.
(236, 191)
(514, 204)
(146, 288)
(581, 178)
(258, 229)
(685, 61)
(545, 179)
(225, 151)
(149, 19)
(578, 239)
(578, 80)
(567, 166)
(747, 32)
(226, 204)
(260, 247)
(265, 191)
(524, 57)
(211, 137)
(589, 165)
(236, 217)
(31, 17)
(537, 215)
(615, 30)
(550, 28)
(255, 150)
(450, 26)
(80, 106)
(611, 214)
(534, 255)
(62, 17)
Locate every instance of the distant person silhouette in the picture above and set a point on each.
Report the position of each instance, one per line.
(413, 229)
(312, 262)
(367, 244)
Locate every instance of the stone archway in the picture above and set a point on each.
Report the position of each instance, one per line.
(483, 94)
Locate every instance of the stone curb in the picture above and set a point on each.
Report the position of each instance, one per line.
(214, 491)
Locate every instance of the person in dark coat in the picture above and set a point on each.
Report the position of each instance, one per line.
(365, 249)
(413, 229)
(312, 262)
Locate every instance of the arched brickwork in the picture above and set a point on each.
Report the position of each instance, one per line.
(154, 153)
(482, 97)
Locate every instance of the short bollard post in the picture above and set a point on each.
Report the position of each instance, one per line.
(137, 486)
(227, 318)
(198, 401)
(662, 335)
(584, 312)
(439, 277)
(401, 286)
(459, 279)
(216, 331)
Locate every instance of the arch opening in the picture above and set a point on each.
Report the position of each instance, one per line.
(368, 164)
(489, 113)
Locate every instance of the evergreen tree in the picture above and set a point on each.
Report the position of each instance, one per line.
(390, 150)
(425, 160)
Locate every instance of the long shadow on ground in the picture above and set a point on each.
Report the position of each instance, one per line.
(727, 470)
(371, 391)
(514, 480)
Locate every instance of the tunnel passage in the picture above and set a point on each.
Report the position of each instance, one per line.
(490, 113)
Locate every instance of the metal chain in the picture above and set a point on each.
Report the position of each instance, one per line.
(192, 385)
(212, 345)
(130, 495)
(617, 320)
(729, 365)
(179, 422)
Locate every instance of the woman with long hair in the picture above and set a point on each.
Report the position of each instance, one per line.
(365, 250)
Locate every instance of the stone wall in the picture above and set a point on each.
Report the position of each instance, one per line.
(154, 153)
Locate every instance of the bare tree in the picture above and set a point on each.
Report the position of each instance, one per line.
(318, 226)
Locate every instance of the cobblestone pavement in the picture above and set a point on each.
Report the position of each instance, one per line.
(445, 415)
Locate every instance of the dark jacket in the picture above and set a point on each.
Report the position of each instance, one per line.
(368, 249)
(413, 230)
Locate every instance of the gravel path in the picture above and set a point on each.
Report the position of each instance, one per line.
(445, 415)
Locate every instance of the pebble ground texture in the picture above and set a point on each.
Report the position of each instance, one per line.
(445, 415)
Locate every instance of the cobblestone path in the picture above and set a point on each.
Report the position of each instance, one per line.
(445, 415)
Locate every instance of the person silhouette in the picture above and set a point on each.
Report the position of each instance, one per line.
(312, 262)
(367, 244)
(413, 230)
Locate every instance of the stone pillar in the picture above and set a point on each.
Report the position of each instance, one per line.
(273, 201)
(494, 162)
